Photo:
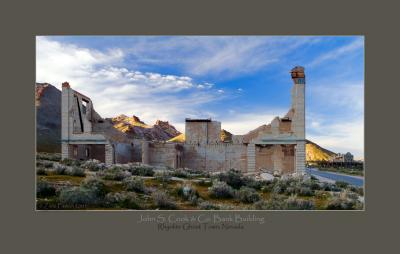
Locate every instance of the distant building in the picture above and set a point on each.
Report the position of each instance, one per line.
(347, 157)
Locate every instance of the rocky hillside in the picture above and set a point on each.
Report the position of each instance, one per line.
(135, 128)
(48, 118)
(316, 153)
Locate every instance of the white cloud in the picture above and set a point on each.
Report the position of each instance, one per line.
(340, 136)
(241, 123)
(115, 90)
(339, 123)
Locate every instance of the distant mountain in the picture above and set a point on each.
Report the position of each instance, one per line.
(315, 152)
(226, 136)
(133, 127)
(48, 118)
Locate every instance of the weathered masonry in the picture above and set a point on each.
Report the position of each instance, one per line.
(277, 146)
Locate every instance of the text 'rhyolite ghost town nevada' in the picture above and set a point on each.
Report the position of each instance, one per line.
(278, 146)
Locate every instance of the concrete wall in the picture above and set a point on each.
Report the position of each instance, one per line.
(87, 151)
(263, 157)
(215, 157)
(123, 153)
(202, 132)
(288, 160)
(164, 154)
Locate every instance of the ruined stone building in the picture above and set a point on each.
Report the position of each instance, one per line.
(277, 146)
(347, 157)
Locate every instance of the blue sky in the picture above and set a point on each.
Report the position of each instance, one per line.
(242, 81)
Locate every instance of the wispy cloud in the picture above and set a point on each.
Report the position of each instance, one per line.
(335, 116)
(339, 135)
(222, 56)
(336, 53)
(345, 97)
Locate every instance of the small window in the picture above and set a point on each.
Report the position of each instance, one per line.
(84, 106)
(87, 152)
(75, 151)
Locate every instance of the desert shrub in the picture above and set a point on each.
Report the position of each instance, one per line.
(204, 182)
(225, 207)
(77, 171)
(351, 195)
(267, 186)
(310, 183)
(141, 170)
(135, 184)
(70, 162)
(252, 183)
(180, 173)
(41, 171)
(45, 164)
(48, 156)
(338, 203)
(221, 190)
(276, 202)
(294, 203)
(162, 201)
(126, 200)
(358, 190)
(163, 177)
(261, 205)
(320, 194)
(341, 184)
(44, 189)
(305, 191)
(115, 173)
(194, 200)
(315, 185)
(233, 178)
(96, 185)
(248, 195)
(280, 187)
(78, 196)
(188, 193)
(93, 165)
(329, 187)
(205, 205)
(60, 169)
(198, 172)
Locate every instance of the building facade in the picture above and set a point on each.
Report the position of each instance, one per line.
(277, 146)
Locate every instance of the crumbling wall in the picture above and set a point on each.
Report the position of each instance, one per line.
(288, 163)
(164, 154)
(87, 151)
(202, 131)
(215, 157)
(123, 153)
(264, 157)
(214, 132)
